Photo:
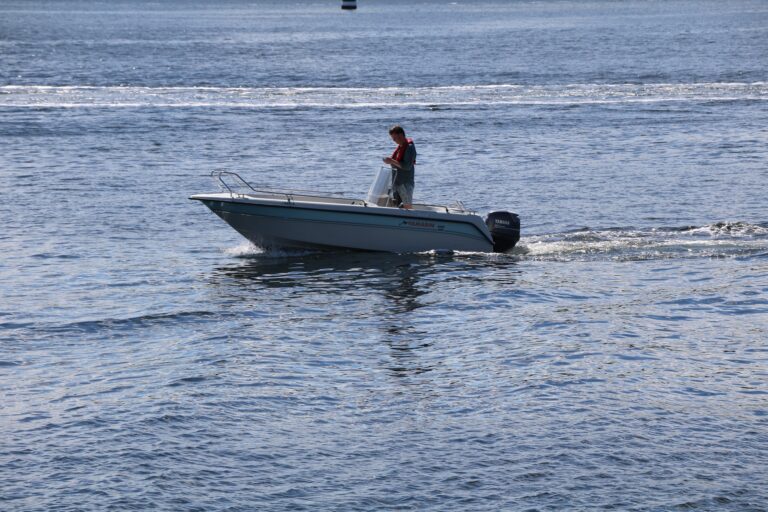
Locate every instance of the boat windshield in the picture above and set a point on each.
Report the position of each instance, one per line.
(380, 192)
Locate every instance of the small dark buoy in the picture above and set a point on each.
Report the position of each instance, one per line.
(349, 5)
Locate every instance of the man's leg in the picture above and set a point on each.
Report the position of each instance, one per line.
(406, 195)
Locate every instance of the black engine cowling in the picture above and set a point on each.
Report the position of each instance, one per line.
(505, 230)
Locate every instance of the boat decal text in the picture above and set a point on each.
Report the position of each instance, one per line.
(422, 224)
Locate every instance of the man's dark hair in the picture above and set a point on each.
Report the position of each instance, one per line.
(397, 129)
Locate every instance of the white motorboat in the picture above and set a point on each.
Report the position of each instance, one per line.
(292, 219)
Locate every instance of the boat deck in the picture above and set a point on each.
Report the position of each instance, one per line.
(308, 198)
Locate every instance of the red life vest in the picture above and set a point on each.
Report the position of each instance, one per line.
(400, 151)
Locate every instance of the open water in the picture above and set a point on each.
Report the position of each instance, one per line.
(150, 359)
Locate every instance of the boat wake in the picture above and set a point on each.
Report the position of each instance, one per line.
(436, 97)
(718, 240)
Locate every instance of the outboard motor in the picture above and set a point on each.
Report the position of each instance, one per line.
(505, 230)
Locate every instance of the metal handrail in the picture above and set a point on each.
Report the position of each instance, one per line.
(289, 195)
(217, 174)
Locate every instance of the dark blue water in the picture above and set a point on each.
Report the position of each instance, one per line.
(151, 359)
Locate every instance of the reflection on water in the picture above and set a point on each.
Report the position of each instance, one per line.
(400, 276)
(386, 296)
(404, 291)
(402, 336)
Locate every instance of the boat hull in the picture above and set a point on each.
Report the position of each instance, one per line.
(296, 224)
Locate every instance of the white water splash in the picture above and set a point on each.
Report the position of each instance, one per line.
(249, 250)
(729, 229)
(244, 250)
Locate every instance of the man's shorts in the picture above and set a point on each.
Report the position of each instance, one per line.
(403, 194)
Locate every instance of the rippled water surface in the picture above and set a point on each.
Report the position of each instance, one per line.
(151, 359)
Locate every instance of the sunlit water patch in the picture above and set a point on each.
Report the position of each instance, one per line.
(476, 96)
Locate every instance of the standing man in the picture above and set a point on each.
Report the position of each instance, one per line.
(403, 162)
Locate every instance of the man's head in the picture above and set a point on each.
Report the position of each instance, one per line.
(398, 134)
